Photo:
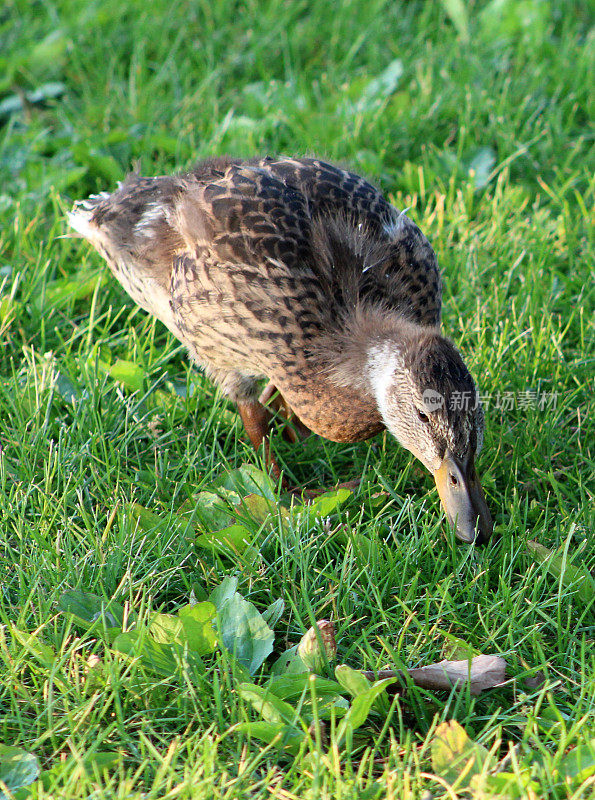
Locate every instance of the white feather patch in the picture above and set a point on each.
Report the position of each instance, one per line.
(153, 214)
(395, 226)
(80, 221)
(383, 361)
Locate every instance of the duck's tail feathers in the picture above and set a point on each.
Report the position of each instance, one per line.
(81, 218)
(133, 222)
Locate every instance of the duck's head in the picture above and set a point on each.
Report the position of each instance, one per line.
(428, 401)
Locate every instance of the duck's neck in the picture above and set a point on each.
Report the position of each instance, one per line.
(384, 365)
(370, 352)
(342, 389)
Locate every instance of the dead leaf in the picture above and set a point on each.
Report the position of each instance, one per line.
(482, 672)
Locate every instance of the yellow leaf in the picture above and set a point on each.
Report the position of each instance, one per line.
(456, 757)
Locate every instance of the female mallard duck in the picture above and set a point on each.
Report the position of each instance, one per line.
(301, 272)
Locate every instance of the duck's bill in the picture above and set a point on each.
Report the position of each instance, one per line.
(463, 499)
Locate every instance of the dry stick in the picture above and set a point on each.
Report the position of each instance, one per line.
(483, 672)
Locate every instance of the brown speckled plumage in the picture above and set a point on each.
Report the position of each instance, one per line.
(300, 272)
(256, 261)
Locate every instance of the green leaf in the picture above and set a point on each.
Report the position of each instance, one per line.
(11, 104)
(147, 520)
(91, 762)
(18, 768)
(579, 763)
(456, 757)
(360, 708)
(47, 91)
(128, 373)
(66, 388)
(162, 659)
(63, 179)
(224, 592)
(481, 165)
(352, 680)
(517, 785)
(323, 505)
(363, 704)
(571, 576)
(197, 623)
(456, 649)
(381, 87)
(100, 164)
(14, 102)
(363, 547)
(45, 654)
(211, 512)
(505, 786)
(289, 663)
(308, 689)
(157, 657)
(267, 704)
(509, 19)
(50, 52)
(191, 627)
(284, 737)
(244, 632)
(328, 502)
(216, 532)
(102, 759)
(206, 521)
(256, 508)
(292, 687)
(87, 608)
(457, 13)
(235, 539)
(182, 389)
(247, 480)
(273, 613)
(62, 291)
(153, 523)
(166, 628)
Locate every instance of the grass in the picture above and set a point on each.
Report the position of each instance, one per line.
(477, 117)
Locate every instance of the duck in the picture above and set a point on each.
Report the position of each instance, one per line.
(301, 272)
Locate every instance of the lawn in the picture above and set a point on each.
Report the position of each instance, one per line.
(151, 575)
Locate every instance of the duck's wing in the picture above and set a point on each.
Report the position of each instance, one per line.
(405, 277)
(332, 190)
(374, 253)
(227, 247)
(278, 247)
(245, 286)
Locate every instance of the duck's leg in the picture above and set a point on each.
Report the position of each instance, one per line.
(257, 421)
(257, 418)
(295, 430)
(242, 388)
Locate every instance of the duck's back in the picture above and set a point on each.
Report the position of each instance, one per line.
(249, 262)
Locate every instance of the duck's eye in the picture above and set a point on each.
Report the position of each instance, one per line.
(423, 417)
